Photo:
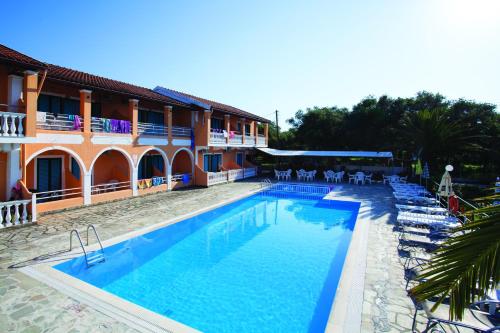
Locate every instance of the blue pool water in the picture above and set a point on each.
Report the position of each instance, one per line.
(267, 263)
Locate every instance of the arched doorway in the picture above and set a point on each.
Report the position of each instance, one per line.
(182, 168)
(56, 176)
(111, 172)
(152, 170)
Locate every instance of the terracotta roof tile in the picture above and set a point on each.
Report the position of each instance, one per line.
(10, 55)
(98, 82)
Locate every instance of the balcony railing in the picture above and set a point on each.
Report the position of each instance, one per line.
(217, 177)
(110, 187)
(261, 140)
(105, 125)
(13, 213)
(11, 124)
(61, 194)
(249, 140)
(235, 174)
(217, 137)
(181, 131)
(151, 182)
(236, 139)
(59, 122)
(180, 177)
(151, 129)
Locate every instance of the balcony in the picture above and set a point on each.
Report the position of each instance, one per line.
(230, 175)
(261, 140)
(181, 131)
(58, 122)
(105, 125)
(217, 137)
(11, 124)
(249, 140)
(151, 129)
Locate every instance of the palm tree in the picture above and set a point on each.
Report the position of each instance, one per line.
(467, 266)
(434, 134)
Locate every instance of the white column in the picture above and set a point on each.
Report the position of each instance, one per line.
(13, 168)
(169, 177)
(87, 188)
(134, 181)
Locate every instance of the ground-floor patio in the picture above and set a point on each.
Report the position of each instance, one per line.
(30, 306)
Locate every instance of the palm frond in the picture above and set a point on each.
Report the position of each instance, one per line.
(467, 266)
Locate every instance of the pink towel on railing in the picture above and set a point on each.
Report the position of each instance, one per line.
(231, 134)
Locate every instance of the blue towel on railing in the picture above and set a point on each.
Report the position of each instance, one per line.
(185, 178)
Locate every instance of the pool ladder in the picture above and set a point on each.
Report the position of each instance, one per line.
(94, 257)
(266, 183)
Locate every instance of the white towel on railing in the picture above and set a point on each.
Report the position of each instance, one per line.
(225, 133)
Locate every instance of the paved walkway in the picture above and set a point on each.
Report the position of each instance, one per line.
(27, 305)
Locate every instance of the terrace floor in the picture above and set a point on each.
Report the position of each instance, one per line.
(27, 305)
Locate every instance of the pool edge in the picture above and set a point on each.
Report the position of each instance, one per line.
(345, 314)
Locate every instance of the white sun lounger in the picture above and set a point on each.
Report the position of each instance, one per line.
(414, 198)
(422, 209)
(431, 221)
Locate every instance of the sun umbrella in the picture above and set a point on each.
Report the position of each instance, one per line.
(445, 187)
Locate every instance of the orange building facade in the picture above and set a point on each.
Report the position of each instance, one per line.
(69, 138)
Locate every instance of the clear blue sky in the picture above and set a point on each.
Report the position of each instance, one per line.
(267, 55)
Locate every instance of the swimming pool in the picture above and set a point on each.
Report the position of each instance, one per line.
(268, 263)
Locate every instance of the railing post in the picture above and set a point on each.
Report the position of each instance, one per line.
(227, 126)
(168, 122)
(16, 213)
(8, 217)
(30, 95)
(33, 208)
(20, 129)
(24, 217)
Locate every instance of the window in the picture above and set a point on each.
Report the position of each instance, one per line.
(211, 162)
(151, 117)
(239, 159)
(74, 168)
(238, 126)
(216, 123)
(247, 129)
(58, 105)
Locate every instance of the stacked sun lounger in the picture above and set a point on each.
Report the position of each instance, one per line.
(424, 226)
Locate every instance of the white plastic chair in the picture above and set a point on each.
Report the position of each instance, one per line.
(352, 177)
(368, 178)
(288, 175)
(277, 174)
(328, 176)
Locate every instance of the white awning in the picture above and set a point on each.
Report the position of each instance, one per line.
(327, 153)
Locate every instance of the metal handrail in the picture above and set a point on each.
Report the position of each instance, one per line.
(91, 226)
(81, 243)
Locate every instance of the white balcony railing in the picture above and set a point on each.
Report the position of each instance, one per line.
(217, 137)
(151, 129)
(250, 172)
(13, 213)
(105, 125)
(249, 140)
(234, 174)
(217, 177)
(181, 131)
(261, 140)
(180, 177)
(59, 122)
(236, 139)
(61, 194)
(11, 124)
(110, 187)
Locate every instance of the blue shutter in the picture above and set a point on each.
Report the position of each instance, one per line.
(75, 168)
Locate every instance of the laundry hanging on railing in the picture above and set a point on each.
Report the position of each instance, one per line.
(77, 122)
(115, 126)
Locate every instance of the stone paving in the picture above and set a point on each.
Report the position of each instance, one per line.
(27, 305)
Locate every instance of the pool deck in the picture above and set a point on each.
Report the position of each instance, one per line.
(27, 305)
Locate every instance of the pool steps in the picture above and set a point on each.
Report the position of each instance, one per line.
(94, 257)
